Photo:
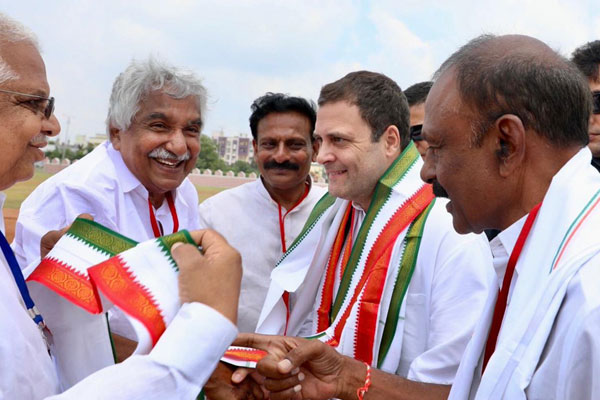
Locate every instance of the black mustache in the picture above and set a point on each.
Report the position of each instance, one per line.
(284, 165)
(438, 190)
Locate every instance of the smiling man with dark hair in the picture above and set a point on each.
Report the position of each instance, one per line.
(378, 278)
(262, 219)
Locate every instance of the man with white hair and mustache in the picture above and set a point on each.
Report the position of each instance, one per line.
(135, 183)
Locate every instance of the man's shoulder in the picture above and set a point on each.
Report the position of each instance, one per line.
(439, 226)
(240, 195)
(446, 247)
(83, 175)
(316, 192)
(90, 167)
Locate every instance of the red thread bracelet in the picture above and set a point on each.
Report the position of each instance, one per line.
(361, 391)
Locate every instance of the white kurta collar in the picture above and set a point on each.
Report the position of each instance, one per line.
(502, 245)
(262, 190)
(126, 178)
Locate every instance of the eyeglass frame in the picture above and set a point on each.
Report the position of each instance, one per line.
(596, 102)
(415, 132)
(48, 110)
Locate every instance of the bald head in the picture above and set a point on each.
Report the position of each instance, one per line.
(520, 75)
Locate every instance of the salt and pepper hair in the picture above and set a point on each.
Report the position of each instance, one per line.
(12, 31)
(545, 91)
(141, 78)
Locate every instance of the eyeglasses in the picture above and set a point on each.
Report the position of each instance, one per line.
(596, 102)
(415, 132)
(48, 109)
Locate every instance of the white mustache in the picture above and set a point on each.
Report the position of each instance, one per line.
(163, 153)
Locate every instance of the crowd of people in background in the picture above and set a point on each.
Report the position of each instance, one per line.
(454, 254)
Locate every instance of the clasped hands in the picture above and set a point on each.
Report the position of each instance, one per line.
(294, 368)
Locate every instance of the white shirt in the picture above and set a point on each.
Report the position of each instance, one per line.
(99, 184)
(177, 367)
(248, 218)
(576, 328)
(444, 300)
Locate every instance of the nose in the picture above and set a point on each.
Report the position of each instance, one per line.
(177, 143)
(594, 122)
(50, 126)
(281, 153)
(324, 155)
(428, 170)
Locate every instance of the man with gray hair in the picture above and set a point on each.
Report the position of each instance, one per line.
(179, 363)
(134, 184)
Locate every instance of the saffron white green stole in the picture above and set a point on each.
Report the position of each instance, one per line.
(563, 238)
(380, 266)
(92, 269)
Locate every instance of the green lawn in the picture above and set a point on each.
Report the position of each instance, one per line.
(17, 193)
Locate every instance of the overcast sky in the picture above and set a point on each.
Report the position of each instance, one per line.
(243, 49)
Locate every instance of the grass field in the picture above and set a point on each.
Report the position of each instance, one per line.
(16, 194)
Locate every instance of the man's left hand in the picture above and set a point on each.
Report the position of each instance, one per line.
(50, 239)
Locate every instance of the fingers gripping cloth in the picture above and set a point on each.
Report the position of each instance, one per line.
(96, 268)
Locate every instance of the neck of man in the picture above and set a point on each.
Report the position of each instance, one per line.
(364, 202)
(286, 198)
(156, 199)
(533, 183)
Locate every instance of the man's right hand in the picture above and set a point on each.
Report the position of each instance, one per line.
(212, 278)
(220, 386)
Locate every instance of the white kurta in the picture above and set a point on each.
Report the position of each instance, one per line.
(444, 300)
(177, 367)
(248, 218)
(99, 184)
(561, 356)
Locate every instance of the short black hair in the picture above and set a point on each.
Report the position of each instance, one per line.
(379, 99)
(546, 91)
(280, 103)
(417, 93)
(587, 59)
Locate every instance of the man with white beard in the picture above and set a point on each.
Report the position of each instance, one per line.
(134, 184)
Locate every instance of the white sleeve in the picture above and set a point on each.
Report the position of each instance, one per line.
(462, 279)
(177, 367)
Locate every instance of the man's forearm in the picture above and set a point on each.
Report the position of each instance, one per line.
(384, 385)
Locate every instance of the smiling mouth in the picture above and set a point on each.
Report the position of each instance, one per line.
(336, 173)
(169, 163)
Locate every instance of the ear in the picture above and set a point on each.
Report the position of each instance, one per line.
(255, 147)
(391, 141)
(115, 137)
(510, 144)
(315, 146)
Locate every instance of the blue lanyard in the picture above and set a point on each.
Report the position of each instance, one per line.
(20, 280)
